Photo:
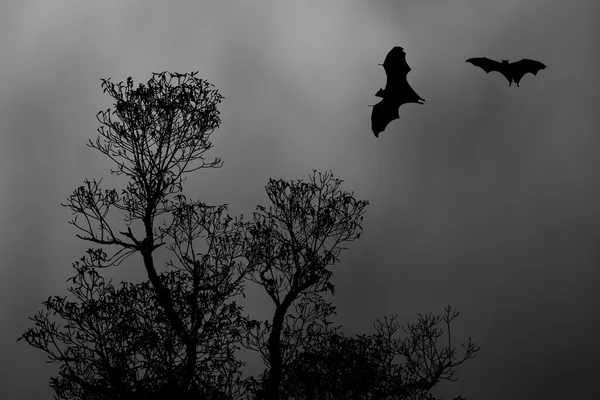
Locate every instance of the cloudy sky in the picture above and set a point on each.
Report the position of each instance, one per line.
(485, 198)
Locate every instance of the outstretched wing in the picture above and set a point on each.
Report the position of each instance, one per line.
(491, 65)
(525, 66)
(486, 64)
(383, 113)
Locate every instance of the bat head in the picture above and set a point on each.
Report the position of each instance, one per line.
(504, 61)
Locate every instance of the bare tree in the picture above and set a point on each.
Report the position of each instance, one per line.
(164, 126)
(162, 132)
(119, 344)
(367, 367)
(175, 335)
(292, 244)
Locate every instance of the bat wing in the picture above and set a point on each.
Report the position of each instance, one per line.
(491, 65)
(383, 113)
(525, 66)
(403, 93)
(486, 64)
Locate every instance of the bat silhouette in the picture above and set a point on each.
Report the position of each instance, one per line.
(514, 72)
(397, 91)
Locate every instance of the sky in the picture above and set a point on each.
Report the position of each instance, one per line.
(485, 197)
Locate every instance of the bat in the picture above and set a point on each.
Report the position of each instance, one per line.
(514, 72)
(397, 91)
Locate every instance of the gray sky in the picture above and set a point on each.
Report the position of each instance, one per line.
(484, 198)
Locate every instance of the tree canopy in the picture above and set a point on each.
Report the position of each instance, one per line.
(176, 335)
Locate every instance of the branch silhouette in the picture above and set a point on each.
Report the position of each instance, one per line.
(175, 335)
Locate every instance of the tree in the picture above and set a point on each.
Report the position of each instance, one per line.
(164, 127)
(175, 335)
(292, 244)
(363, 367)
(119, 344)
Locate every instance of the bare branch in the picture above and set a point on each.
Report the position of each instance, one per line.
(291, 244)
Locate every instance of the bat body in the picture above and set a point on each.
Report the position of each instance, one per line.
(513, 72)
(397, 91)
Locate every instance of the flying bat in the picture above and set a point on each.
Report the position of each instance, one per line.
(514, 72)
(397, 91)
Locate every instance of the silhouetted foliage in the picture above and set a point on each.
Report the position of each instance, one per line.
(292, 243)
(118, 344)
(365, 368)
(121, 343)
(175, 335)
(164, 126)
